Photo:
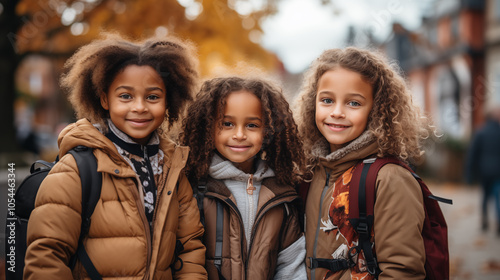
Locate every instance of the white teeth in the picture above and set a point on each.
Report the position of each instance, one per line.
(337, 126)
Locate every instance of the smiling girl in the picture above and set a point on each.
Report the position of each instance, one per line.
(246, 157)
(355, 106)
(124, 92)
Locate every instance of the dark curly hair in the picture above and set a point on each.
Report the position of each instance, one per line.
(92, 69)
(396, 122)
(281, 148)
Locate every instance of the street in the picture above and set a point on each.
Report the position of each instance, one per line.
(474, 254)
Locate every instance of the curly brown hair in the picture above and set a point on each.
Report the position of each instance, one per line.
(396, 123)
(281, 148)
(92, 69)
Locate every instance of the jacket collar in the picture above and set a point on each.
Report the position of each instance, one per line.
(84, 133)
(342, 159)
(126, 143)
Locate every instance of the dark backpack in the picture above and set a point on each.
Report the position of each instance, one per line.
(361, 216)
(17, 219)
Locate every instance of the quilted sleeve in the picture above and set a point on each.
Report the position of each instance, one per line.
(54, 224)
(399, 217)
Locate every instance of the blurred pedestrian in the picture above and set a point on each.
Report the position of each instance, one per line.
(483, 164)
(146, 224)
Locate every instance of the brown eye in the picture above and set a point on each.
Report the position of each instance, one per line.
(125, 96)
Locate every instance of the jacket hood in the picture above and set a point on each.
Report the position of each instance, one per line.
(84, 133)
(342, 159)
(222, 169)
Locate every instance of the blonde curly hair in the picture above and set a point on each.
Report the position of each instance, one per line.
(92, 69)
(395, 122)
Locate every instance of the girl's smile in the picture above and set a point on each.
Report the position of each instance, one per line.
(337, 127)
(236, 148)
(343, 104)
(239, 135)
(139, 122)
(136, 101)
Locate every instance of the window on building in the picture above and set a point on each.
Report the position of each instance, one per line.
(433, 35)
(449, 102)
(455, 28)
(496, 10)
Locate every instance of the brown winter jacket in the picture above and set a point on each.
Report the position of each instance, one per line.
(399, 214)
(276, 227)
(119, 242)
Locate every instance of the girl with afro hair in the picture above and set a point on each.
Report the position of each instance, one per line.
(127, 95)
(245, 160)
(353, 106)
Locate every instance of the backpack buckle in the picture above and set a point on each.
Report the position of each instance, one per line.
(362, 228)
(372, 266)
(369, 160)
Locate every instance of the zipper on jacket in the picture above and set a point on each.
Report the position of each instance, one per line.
(251, 214)
(323, 193)
(261, 214)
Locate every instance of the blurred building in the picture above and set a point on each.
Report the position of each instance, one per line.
(449, 65)
(40, 109)
(492, 40)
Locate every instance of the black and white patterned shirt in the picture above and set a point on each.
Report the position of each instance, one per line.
(147, 162)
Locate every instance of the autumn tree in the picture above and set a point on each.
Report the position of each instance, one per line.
(220, 32)
(224, 31)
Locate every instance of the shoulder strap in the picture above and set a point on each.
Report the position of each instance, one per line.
(361, 206)
(303, 191)
(91, 192)
(219, 231)
(199, 194)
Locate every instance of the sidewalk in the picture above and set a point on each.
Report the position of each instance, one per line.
(474, 254)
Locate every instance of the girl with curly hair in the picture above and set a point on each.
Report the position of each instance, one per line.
(353, 106)
(246, 158)
(123, 91)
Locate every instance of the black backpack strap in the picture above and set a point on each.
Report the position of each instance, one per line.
(91, 192)
(219, 230)
(199, 194)
(361, 208)
(333, 265)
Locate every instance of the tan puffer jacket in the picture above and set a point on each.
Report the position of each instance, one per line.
(119, 242)
(399, 215)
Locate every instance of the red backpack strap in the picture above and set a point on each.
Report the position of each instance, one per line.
(362, 204)
(303, 191)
